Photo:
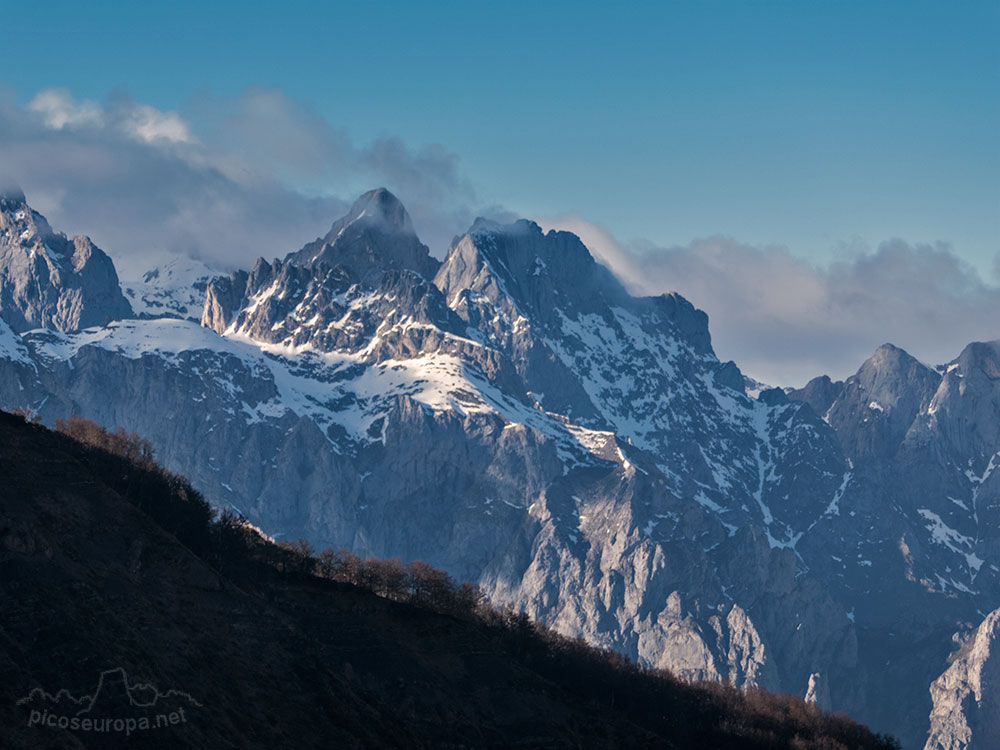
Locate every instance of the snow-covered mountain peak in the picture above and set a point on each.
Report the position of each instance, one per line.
(16, 213)
(549, 277)
(891, 376)
(522, 247)
(889, 357)
(376, 207)
(539, 272)
(174, 288)
(966, 397)
(376, 235)
(873, 410)
(20, 224)
(49, 281)
(10, 195)
(482, 224)
(582, 453)
(979, 357)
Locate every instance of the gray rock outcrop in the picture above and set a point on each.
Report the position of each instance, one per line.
(49, 281)
(513, 415)
(966, 697)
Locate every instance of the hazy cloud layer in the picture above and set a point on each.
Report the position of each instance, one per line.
(144, 182)
(784, 320)
(213, 182)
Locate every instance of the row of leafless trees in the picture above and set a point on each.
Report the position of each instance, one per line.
(125, 462)
(415, 582)
(713, 715)
(143, 481)
(119, 442)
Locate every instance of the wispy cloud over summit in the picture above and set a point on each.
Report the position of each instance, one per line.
(258, 174)
(58, 110)
(784, 320)
(227, 179)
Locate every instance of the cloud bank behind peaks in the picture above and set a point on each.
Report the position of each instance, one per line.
(57, 110)
(225, 181)
(785, 320)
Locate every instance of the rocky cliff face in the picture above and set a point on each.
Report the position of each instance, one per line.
(49, 281)
(875, 408)
(927, 440)
(511, 414)
(376, 235)
(966, 713)
(113, 610)
(923, 444)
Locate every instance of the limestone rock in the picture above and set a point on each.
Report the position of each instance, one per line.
(49, 281)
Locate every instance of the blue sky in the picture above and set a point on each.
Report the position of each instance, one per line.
(825, 128)
(804, 124)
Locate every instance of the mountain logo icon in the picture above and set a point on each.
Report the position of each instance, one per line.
(115, 706)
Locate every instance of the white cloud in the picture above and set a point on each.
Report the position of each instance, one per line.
(785, 320)
(227, 180)
(150, 124)
(58, 109)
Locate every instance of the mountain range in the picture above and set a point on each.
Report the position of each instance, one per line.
(122, 593)
(513, 415)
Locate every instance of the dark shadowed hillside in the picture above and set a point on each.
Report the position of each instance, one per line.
(114, 575)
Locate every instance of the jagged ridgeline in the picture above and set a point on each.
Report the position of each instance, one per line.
(514, 416)
(49, 281)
